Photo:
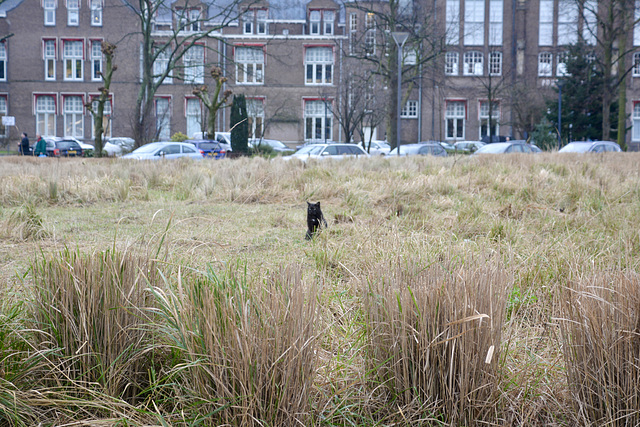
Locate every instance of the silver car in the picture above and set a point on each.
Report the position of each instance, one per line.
(590, 147)
(164, 150)
(327, 151)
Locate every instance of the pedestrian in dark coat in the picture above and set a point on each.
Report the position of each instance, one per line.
(24, 145)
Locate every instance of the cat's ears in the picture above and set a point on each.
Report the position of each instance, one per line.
(317, 204)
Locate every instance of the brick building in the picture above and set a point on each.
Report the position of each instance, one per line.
(486, 69)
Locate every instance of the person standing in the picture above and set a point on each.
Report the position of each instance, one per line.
(24, 144)
(41, 146)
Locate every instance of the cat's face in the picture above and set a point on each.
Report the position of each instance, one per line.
(313, 209)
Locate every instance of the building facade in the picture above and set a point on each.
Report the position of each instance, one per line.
(313, 70)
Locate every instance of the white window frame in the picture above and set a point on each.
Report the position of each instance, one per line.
(247, 22)
(73, 13)
(561, 65)
(315, 22)
(635, 134)
(96, 12)
(249, 65)
(319, 63)
(474, 22)
(452, 16)
(49, 7)
(353, 31)
(590, 22)
(96, 60)
(50, 57)
(193, 115)
(160, 65)
(495, 63)
(545, 64)
(4, 111)
(3, 62)
(567, 22)
(370, 34)
(545, 23)
(473, 63)
(255, 113)
(318, 121)
(163, 117)
(483, 118)
(409, 110)
(45, 114)
(328, 18)
(73, 58)
(106, 118)
(451, 63)
(262, 26)
(73, 111)
(193, 60)
(496, 13)
(636, 26)
(636, 65)
(454, 119)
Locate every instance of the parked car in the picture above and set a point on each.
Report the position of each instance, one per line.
(590, 147)
(164, 150)
(494, 138)
(276, 145)
(468, 147)
(327, 151)
(222, 137)
(420, 149)
(517, 146)
(378, 148)
(62, 147)
(449, 148)
(117, 146)
(209, 148)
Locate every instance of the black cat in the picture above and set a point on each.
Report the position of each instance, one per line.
(315, 219)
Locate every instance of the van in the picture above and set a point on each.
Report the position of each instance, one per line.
(223, 138)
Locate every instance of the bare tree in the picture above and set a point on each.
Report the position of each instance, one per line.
(108, 50)
(168, 30)
(372, 45)
(215, 101)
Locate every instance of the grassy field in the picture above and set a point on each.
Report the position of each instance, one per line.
(460, 291)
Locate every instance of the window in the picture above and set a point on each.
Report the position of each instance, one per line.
(160, 66)
(255, 112)
(193, 112)
(193, 60)
(314, 22)
(73, 116)
(561, 68)
(49, 12)
(163, 119)
(567, 22)
(474, 22)
(106, 119)
(636, 65)
(96, 12)
(164, 16)
(261, 21)
(454, 119)
(247, 20)
(410, 56)
(4, 130)
(45, 115)
(73, 12)
(249, 65)
(410, 110)
(473, 64)
(72, 55)
(545, 64)
(189, 19)
(3, 62)
(495, 63)
(485, 123)
(451, 63)
(96, 60)
(545, 28)
(353, 31)
(453, 22)
(636, 26)
(636, 121)
(590, 23)
(329, 18)
(370, 34)
(317, 120)
(319, 65)
(495, 22)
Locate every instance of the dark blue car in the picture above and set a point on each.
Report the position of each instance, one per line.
(209, 148)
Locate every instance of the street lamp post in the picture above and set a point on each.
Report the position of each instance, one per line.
(560, 83)
(400, 38)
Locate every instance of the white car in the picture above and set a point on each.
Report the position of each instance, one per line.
(118, 146)
(327, 151)
(164, 150)
(222, 137)
(468, 146)
(276, 145)
(380, 148)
